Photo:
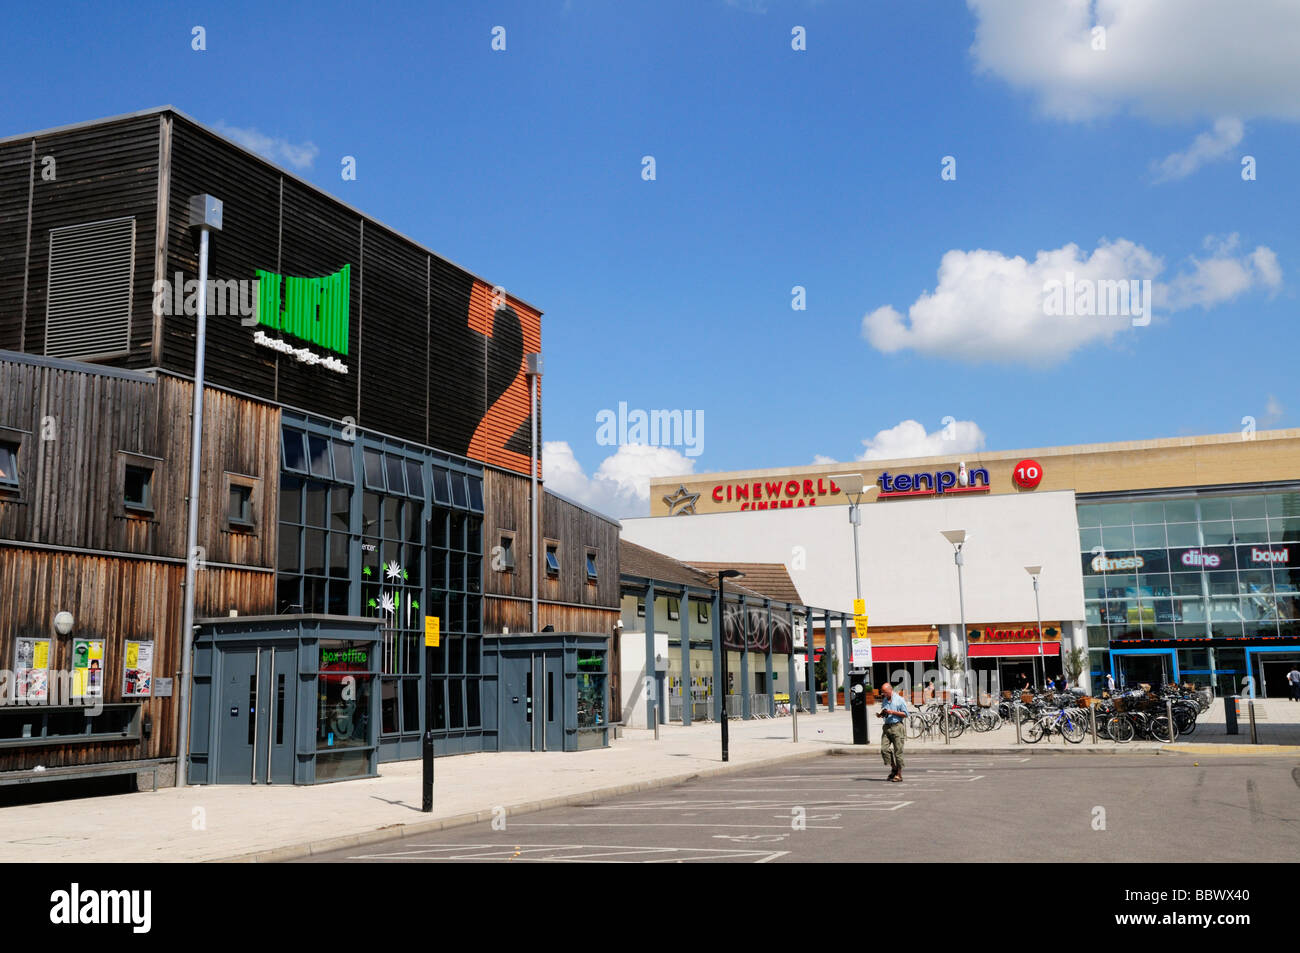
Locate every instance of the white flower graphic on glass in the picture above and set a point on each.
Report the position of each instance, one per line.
(386, 603)
(393, 571)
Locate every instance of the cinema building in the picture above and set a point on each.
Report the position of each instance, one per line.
(1160, 559)
(363, 567)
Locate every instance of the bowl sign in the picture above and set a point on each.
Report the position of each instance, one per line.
(1027, 474)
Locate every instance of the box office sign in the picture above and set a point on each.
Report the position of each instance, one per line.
(87, 668)
(314, 310)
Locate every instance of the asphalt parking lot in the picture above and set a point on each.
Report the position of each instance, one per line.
(949, 808)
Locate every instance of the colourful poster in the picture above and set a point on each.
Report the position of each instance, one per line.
(87, 668)
(137, 680)
(32, 670)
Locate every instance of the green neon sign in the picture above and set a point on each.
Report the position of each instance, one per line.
(314, 309)
(344, 656)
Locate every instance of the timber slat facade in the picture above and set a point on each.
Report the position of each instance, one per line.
(121, 573)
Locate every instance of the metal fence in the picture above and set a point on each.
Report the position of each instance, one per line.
(735, 706)
(760, 706)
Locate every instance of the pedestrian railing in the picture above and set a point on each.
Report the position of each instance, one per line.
(735, 706)
(674, 709)
(701, 711)
(760, 706)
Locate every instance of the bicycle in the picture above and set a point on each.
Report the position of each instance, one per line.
(1070, 723)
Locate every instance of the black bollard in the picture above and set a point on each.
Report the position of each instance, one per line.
(428, 773)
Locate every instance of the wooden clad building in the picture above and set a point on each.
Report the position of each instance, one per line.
(74, 537)
(366, 442)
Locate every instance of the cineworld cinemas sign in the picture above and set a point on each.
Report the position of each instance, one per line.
(775, 494)
(314, 310)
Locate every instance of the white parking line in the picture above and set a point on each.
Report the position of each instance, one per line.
(775, 827)
(569, 853)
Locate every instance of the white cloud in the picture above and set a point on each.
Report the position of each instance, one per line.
(1207, 147)
(1163, 59)
(909, 439)
(620, 487)
(1221, 276)
(988, 306)
(1273, 411)
(821, 458)
(297, 155)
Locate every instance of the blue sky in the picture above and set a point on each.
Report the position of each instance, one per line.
(775, 168)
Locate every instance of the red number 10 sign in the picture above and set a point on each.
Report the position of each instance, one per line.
(1027, 474)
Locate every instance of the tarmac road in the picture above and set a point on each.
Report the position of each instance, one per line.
(1042, 807)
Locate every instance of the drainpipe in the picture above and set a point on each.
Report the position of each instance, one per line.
(534, 375)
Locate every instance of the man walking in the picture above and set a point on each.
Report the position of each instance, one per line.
(1293, 679)
(893, 709)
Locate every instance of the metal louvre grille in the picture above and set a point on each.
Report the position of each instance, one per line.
(88, 306)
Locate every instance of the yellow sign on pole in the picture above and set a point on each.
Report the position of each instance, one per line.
(860, 626)
(859, 607)
(432, 634)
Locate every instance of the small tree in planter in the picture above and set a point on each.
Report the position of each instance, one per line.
(1074, 662)
(953, 664)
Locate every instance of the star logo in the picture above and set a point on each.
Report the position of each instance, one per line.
(681, 503)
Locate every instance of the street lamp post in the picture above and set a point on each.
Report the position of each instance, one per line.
(853, 486)
(1038, 618)
(722, 645)
(205, 217)
(958, 538)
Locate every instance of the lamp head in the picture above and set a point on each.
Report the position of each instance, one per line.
(1033, 570)
(850, 483)
(63, 623)
(955, 536)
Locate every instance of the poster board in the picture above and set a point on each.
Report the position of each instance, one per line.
(31, 669)
(87, 668)
(137, 675)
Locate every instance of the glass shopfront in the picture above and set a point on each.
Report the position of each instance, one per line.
(343, 690)
(374, 527)
(1209, 567)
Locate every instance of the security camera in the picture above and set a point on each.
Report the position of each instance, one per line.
(618, 624)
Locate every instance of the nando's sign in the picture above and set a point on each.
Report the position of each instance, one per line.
(1027, 633)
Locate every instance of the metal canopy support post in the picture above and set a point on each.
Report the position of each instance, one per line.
(688, 683)
(649, 654)
(771, 690)
(810, 666)
(789, 659)
(828, 653)
(847, 648)
(744, 660)
(719, 695)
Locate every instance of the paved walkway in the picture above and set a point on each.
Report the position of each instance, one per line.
(269, 823)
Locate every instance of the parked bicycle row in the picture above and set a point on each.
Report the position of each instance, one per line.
(1162, 713)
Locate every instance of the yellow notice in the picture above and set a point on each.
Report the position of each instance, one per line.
(432, 633)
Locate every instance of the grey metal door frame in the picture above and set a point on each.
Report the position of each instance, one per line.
(253, 716)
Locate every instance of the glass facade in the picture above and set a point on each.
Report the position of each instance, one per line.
(380, 528)
(1207, 567)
